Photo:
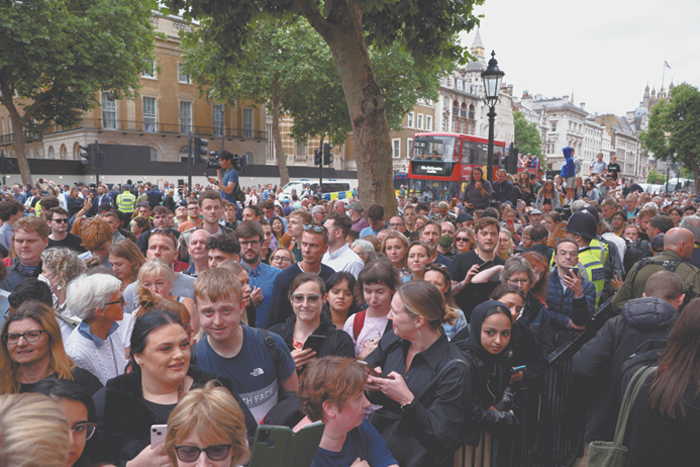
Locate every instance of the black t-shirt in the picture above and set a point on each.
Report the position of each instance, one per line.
(84, 378)
(72, 242)
(473, 294)
(614, 170)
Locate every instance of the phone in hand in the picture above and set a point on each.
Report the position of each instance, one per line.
(158, 434)
(517, 369)
(369, 369)
(314, 342)
(573, 271)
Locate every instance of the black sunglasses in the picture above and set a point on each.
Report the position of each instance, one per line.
(60, 221)
(191, 453)
(315, 227)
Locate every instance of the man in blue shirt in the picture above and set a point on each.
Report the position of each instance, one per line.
(250, 236)
(502, 188)
(375, 216)
(227, 182)
(155, 197)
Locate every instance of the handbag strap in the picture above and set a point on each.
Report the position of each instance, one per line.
(441, 373)
(631, 393)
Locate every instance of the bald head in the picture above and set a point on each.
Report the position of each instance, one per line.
(681, 241)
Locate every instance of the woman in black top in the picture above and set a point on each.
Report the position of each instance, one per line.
(477, 194)
(32, 350)
(307, 294)
(407, 360)
(160, 374)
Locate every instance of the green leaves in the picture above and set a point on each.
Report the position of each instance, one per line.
(527, 137)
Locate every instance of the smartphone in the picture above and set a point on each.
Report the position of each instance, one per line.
(180, 182)
(369, 369)
(518, 368)
(279, 446)
(158, 434)
(485, 266)
(573, 271)
(314, 342)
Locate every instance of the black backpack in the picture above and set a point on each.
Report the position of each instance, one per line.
(646, 354)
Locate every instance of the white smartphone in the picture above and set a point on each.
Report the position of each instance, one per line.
(158, 434)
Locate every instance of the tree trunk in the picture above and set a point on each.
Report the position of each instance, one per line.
(342, 31)
(19, 138)
(277, 136)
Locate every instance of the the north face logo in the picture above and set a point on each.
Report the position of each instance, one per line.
(257, 372)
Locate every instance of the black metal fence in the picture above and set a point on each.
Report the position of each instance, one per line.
(552, 419)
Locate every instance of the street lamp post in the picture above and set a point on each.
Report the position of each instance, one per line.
(492, 77)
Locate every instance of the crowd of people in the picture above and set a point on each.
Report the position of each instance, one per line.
(210, 311)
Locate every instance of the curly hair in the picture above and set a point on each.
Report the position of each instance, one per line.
(63, 262)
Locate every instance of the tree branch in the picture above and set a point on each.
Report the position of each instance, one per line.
(314, 17)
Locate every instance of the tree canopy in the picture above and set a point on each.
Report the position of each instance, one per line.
(527, 137)
(426, 30)
(674, 129)
(56, 54)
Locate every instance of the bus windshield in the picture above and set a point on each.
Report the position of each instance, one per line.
(433, 148)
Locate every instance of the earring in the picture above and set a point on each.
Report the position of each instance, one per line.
(419, 334)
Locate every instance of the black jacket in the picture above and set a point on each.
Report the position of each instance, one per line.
(338, 343)
(124, 419)
(16, 273)
(600, 360)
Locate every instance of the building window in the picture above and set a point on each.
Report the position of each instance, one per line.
(218, 120)
(396, 145)
(153, 154)
(185, 117)
(150, 72)
(446, 102)
(459, 85)
(409, 120)
(109, 113)
(183, 77)
(247, 123)
(52, 153)
(409, 144)
(149, 114)
(444, 123)
(554, 126)
(428, 123)
(419, 121)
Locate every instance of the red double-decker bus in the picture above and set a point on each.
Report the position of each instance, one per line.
(441, 163)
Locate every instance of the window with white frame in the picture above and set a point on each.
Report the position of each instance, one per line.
(248, 123)
(150, 71)
(419, 121)
(445, 102)
(396, 145)
(218, 119)
(185, 117)
(183, 77)
(409, 120)
(428, 123)
(460, 85)
(109, 113)
(409, 144)
(150, 117)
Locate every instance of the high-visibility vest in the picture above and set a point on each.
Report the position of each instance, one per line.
(126, 202)
(590, 258)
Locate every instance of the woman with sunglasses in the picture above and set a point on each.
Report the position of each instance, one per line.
(464, 240)
(98, 343)
(32, 350)
(59, 266)
(77, 404)
(308, 294)
(207, 422)
(159, 376)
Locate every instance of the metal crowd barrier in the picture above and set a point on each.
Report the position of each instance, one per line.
(552, 422)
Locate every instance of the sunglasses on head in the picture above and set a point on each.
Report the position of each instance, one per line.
(315, 227)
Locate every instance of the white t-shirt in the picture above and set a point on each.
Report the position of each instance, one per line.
(373, 329)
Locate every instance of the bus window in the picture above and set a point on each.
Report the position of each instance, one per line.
(468, 152)
(433, 148)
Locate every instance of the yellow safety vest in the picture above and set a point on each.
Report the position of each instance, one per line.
(126, 202)
(590, 258)
(37, 209)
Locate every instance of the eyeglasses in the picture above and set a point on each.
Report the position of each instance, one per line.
(250, 243)
(29, 336)
(214, 453)
(315, 227)
(122, 301)
(462, 239)
(519, 281)
(299, 299)
(282, 259)
(84, 430)
(60, 221)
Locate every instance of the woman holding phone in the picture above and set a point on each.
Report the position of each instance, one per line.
(477, 195)
(308, 333)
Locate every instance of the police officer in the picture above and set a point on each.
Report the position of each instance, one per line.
(126, 203)
(582, 228)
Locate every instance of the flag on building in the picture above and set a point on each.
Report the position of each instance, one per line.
(667, 65)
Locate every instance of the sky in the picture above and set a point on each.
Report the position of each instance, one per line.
(604, 51)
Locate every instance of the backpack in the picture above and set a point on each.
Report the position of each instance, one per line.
(646, 354)
(577, 165)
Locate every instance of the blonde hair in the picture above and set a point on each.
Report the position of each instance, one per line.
(214, 416)
(149, 301)
(64, 263)
(217, 283)
(156, 267)
(33, 432)
(421, 298)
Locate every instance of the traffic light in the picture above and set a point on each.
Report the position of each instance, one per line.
(317, 157)
(327, 154)
(100, 157)
(200, 149)
(86, 152)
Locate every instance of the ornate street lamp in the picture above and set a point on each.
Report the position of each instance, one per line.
(492, 77)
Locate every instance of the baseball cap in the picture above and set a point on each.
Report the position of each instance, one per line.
(356, 206)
